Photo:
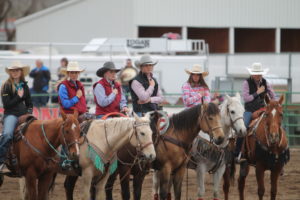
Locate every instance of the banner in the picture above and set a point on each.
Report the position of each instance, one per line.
(43, 113)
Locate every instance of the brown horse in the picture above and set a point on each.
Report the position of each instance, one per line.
(37, 151)
(174, 146)
(266, 149)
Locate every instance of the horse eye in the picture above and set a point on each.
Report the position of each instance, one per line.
(142, 133)
(232, 112)
(210, 118)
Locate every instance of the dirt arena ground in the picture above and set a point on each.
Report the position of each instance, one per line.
(289, 185)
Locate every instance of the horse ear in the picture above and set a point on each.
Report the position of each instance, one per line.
(76, 113)
(63, 114)
(136, 117)
(228, 98)
(237, 95)
(267, 99)
(281, 100)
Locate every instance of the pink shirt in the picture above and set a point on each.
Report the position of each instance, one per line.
(192, 96)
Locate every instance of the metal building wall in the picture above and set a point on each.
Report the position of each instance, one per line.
(218, 13)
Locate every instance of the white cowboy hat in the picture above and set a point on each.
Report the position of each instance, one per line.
(145, 59)
(257, 69)
(18, 65)
(196, 69)
(73, 66)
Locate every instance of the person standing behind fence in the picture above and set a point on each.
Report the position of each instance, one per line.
(71, 91)
(41, 77)
(145, 91)
(108, 94)
(62, 68)
(195, 90)
(127, 74)
(16, 102)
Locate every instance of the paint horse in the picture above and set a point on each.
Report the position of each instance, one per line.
(266, 149)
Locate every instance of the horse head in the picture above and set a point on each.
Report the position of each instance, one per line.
(210, 122)
(232, 112)
(273, 118)
(71, 133)
(142, 138)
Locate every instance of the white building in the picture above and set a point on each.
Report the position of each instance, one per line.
(227, 25)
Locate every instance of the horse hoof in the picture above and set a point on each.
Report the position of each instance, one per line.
(155, 197)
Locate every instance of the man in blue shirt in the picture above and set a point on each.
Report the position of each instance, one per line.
(41, 78)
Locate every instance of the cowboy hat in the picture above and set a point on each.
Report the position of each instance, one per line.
(72, 66)
(106, 67)
(18, 65)
(145, 59)
(196, 69)
(257, 69)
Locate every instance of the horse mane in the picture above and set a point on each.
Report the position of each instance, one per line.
(186, 119)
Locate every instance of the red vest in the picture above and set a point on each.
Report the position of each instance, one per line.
(71, 89)
(115, 105)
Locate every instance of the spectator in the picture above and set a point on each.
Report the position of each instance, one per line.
(41, 78)
(62, 68)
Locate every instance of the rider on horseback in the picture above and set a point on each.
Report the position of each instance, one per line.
(71, 91)
(108, 94)
(255, 88)
(16, 100)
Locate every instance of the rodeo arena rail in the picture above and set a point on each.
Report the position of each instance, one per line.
(226, 75)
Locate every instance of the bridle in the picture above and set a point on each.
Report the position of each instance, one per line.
(211, 130)
(140, 147)
(63, 131)
(232, 122)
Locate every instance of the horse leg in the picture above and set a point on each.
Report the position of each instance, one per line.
(155, 185)
(137, 185)
(124, 179)
(244, 170)
(87, 175)
(164, 178)
(44, 183)
(1, 179)
(200, 170)
(260, 175)
(217, 176)
(69, 186)
(274, 179)
(109, 185)
(177, 182)
(100, 187)
(31, 187)
(226, 184)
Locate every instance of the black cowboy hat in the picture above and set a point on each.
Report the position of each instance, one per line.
(106, 67)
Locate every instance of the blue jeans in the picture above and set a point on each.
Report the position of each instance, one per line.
(240, 140)
(99, 116)
(9, 125)
(39, 101)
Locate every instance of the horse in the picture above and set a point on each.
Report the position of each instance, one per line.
(266, 148)
(36, 151)
(106, 137)
(130, 163)
(214, 159)
(173, 147)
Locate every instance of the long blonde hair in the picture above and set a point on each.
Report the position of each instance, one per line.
(10, 82)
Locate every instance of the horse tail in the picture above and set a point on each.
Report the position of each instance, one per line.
(232, 171)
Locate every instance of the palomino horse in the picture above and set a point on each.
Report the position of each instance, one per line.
(37, 150)
(104, 138)
(131, 163)
(174, 146)
(212, 158)
(266, 149)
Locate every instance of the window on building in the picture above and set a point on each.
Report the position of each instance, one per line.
(290, 40)
(217, 38)
(147, 31)
(254, 40)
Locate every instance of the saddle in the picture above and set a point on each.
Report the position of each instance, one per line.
(12, 162)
